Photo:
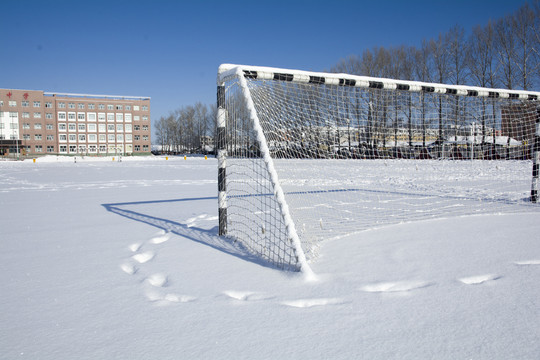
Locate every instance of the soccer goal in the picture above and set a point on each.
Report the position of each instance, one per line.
(306, 157)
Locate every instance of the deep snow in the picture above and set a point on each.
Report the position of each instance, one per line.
(104, 259)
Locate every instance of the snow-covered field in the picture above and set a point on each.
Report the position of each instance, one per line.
(120, 260)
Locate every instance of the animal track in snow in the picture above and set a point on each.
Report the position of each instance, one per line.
(527, 262)
(143, 257)
(307, 303)
(193, 221)
(400, 286)
(479, 279)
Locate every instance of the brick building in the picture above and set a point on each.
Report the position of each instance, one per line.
(34, 122)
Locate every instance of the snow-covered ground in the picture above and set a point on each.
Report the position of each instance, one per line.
(120, 260)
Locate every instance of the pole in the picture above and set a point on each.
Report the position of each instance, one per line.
(222, 153)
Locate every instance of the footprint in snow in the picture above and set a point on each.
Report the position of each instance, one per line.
(135, 247)
(144, 257)
(307, 303)
(400, 286)
(128, 268)
(161, 238)
(479, 279)
(527, 262)
(167, 299)
(245, 295)
(157, 280)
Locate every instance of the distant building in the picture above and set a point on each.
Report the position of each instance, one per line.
(33, 122)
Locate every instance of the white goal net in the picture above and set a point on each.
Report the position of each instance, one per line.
(306, 157)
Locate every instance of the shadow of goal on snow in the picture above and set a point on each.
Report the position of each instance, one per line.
(207, 237)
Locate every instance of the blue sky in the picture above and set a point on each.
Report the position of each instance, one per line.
(170, 50)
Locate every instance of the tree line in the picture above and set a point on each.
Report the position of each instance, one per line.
(504, 53)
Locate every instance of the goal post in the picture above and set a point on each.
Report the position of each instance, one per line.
(305, 157)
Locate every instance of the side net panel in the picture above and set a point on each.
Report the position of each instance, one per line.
(254, 215)
(351, 158)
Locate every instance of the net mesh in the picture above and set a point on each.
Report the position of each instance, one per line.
(352, 158)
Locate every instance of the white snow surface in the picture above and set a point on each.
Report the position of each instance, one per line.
(120, 260)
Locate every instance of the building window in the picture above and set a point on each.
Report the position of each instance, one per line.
(91, 116)
(81, 116)
(135, 107)
(119, 127)
(48, 116)
(61, 116)
(37, 137)
(102, 128)
(71, 105)
(82, 137)
(118, 107)
(61, 105)
(137, 147)
(137, 137)
(37, 126)
(110, 117)
(26, 136)
(137, 127)
(80, 106)
(101, 106)
(26, 125)
(128, 127)
(39, 148)
(110, 107)
(13, 126)
(129, 138)
(72, 127)
(71, 116)
(92, 137)
(101, 116)
(110, 128)
(119, 117)
(48, 104)
(145, 137)
(37, 115)
(91, 106)
(82, 127)
(37, 103)
(26, 115)
(63, 148)
(128, 107)
(72, 148)
(50, 137)
(92, 127)
(102, 148)
(49, 127)
(112, 138)
(145, 147)
(61, 127)
(128, 117)
(145, 127)
(50, 148)
(72, 137)
(145, 118)
(136, 118)
(102, 138)
(12, 103)
(119, 138)
(145, 108)
(25, 103)
(62, 137)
